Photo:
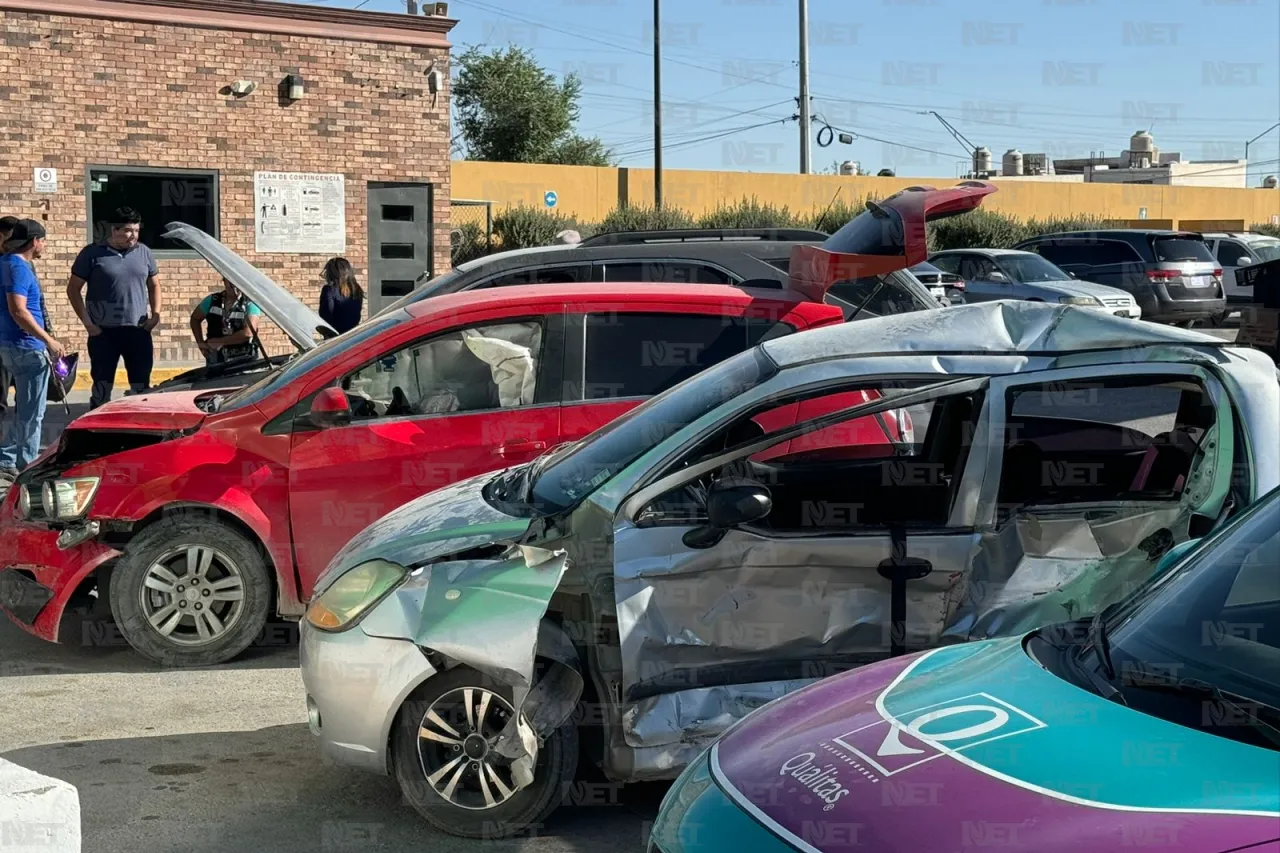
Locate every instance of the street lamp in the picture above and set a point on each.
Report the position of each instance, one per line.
(1250, 142)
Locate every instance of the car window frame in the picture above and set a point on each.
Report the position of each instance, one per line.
(1238, 245)
(599, 270)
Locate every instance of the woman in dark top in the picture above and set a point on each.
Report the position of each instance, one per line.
(341, 298)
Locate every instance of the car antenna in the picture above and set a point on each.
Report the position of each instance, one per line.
(832, 204)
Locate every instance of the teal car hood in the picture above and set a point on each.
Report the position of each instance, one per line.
(1000, 751)
(447, 521)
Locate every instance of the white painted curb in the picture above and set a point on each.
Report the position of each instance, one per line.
(38, 814)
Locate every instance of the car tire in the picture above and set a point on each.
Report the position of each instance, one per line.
(215, 622)
(955, 297)
(522, 811)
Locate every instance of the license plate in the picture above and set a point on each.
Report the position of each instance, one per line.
(1195, 280)
(939, 292)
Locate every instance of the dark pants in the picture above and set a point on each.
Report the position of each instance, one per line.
(133, 344)
(6, 382)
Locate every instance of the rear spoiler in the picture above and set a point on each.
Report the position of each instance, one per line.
(888, 236)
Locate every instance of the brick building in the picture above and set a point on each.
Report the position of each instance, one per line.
(142, 102)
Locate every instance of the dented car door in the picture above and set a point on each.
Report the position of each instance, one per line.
(711, 626)
(1099, 471)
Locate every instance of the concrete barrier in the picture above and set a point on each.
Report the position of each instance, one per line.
(37, 813)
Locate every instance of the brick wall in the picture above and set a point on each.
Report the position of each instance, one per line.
(77, 92)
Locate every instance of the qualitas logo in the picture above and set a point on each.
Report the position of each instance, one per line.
(822, 780)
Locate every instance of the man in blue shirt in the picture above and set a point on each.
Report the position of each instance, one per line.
(122, 307)
(25, 346)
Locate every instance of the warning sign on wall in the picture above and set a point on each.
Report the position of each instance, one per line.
(300, 213)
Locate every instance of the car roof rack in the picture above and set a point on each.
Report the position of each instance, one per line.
(707, 235)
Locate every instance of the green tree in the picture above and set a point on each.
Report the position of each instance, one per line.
(510, 109)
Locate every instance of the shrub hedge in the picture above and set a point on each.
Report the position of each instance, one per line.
(526, 227)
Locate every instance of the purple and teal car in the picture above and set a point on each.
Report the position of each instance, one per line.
(1155, 725)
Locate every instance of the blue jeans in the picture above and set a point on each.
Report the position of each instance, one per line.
(30, 371)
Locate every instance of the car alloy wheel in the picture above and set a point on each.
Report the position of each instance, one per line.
(456, 740)
(193, 595)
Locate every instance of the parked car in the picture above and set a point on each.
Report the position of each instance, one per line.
(1172, 274)
(1156, 724)
(194, 513)
(1011, 274)
(718, 547)
(691, 255)
(947, 287)
(1234, 250)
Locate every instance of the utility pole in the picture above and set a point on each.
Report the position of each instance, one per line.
(1250, 142)
(657, 104)
(804, 87)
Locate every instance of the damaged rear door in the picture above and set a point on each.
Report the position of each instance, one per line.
(1101, 470)
(859, 556)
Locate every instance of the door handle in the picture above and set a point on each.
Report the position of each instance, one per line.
(521, 446)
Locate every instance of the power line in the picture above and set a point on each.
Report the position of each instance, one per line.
(711, 137)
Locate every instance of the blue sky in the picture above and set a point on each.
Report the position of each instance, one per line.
(1065, 77)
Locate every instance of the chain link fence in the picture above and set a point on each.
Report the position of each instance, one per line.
(471, 234)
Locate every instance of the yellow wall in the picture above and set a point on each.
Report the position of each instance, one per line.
(589, 193)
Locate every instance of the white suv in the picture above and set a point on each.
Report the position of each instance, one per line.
(1239, 249)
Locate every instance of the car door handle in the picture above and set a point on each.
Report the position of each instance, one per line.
(521, 446)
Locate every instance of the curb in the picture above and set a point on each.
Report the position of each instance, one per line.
(38, 813)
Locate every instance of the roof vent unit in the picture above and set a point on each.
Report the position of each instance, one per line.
(982, 161)
(1269, 182)
(849, 167)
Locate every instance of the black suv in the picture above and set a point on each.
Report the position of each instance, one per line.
(734, 257)
(1172, 274)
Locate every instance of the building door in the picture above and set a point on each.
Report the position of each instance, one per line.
(400, 241)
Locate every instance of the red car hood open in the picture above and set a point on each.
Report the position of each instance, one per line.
(170, 410)
(889, 235)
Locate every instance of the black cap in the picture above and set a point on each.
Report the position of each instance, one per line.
(24, 231)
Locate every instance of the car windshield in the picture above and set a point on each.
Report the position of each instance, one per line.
(562, 478)
(1216, 617)
(253, 394)
(1028, 268)
(1179, 249)
(1265, 250)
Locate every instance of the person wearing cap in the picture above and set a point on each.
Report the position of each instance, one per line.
(122, 306)
(26, 347)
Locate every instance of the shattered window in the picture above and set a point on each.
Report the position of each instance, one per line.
(1098, 441)
(477, 369)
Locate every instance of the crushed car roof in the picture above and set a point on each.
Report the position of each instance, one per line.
(985, 328)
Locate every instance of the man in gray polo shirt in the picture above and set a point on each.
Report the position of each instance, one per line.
(122, 308)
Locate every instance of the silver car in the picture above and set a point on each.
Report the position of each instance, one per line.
(632, 594)
(1009, 274)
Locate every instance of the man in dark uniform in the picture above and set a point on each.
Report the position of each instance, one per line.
(232, 325)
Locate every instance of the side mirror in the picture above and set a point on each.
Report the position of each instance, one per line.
(1244, 261)
(1174, 555)
(729, 507)
(330, 409)
(996, 275)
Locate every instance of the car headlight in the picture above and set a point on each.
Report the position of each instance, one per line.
(354, 593)
(1079, 300)
(66, 500)
(24, 502)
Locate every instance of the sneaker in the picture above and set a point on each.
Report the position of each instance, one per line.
(8, 475)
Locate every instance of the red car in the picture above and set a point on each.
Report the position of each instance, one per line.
(195, 514)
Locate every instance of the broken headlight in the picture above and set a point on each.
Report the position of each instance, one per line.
(353, 594)
(66, 500)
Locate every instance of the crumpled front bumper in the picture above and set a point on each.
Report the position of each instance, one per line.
(355, 684)
(33, 567)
